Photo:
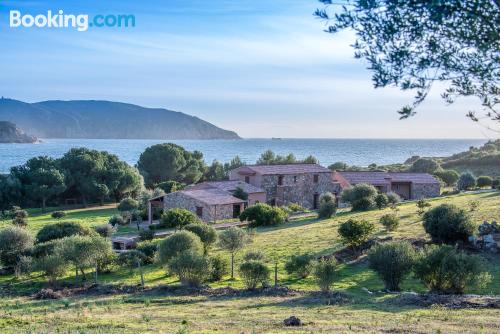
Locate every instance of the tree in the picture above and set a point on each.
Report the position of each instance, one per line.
(178, 218)
(241, 194)
(381, 201)
(61, 230)
(361, 196)
(40, 178)
(324, 271)
(206, 233)
(14, 243)
(484, 181)
(449, 176)
(422, 204)
(233, 164)
(170, 162)
(393, 262)
(233, 240)
(413, 44)
(338, 166)
(327, 205)
(168, 187)
(300, 264)
(448, 224)
(424, 165)
(52, 265)
(127, 206)
(177, 244)
(254, 272)
(191, 267)
(215, 172)
(262, 214)
(116, 220)
(466, 181)
(10, 191)
(355, 232)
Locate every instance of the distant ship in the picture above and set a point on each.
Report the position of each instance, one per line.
(274, 138)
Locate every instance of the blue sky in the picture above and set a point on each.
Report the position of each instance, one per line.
(261, 68)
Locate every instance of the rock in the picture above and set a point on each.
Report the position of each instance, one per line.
(293, 321)
(10, 133)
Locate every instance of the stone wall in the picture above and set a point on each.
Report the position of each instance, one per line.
(423, 190)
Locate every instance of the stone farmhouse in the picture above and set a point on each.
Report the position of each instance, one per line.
(285, 184)
(406, 185)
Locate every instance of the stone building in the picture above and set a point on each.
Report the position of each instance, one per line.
(406, 185)
(285, 184)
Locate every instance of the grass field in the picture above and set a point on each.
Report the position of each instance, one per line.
(162, 311)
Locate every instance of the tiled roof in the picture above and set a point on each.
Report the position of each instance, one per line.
(286, 169)
(228, 186)
(386, 177)
(338, 178)
(212, 196)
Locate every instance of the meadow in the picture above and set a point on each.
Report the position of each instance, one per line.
(359, 307)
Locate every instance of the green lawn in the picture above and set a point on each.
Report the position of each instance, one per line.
(164, 312)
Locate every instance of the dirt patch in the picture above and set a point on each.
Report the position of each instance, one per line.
(85, 290)
(448, 301)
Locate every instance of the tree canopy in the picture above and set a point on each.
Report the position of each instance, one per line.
(413, 44)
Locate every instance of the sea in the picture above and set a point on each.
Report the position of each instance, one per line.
(360, 152)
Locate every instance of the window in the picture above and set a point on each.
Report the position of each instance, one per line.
(247, 179)
(280, 180)
(316, 178)
(199, 211)
(294, 179)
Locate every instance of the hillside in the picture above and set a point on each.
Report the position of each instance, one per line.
(9, 133)
(106, 120)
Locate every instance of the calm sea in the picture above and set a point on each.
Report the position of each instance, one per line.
(360, 152)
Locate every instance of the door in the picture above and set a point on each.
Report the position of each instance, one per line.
(236, 210)
(315, 201)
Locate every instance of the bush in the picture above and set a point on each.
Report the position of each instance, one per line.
(14, 243)
(424, 165)
(52, 266)
(381, 201)
(128, 204)
(466, 181)
(355, 232)
(300, 265)
(363, 204)
(131, 259)
(296, 207)
(190, 267)
(116, 220)
(324, 272)
(422, 204)
(254, 255)
(58, 214)
(327, 206)
(177, 244)
(146, 235)
(149, 249)
(61, 230)
(24, 266)
(393, 198)
(178, 218)
(206, 233)
(448, 224)
(443, 269)
(495, 183)
(220, 268)
(390, 221)
(448, 176)
(484, 181)
(361, 196)
(104, 230)
(253, 273)
(20, 222)
(392, 261)
(263, 215)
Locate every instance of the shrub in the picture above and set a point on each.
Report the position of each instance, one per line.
(324, 272)
(393, 198)
(177, 244)
(449, 176)
(392, 261)
(104, 230)
(52, 266)
(24, 266)
(240, 193)
(206, 233)
(361, 196)
(443, 269)
(58, 214)
(495, 183)
(233, 239)
(363, 204)
(422, 204)
(17, 212)
(178, 218)
(327, 206)
(355, 232)
(131, 259)
(254, 255)
(220, 268)
(146, 235)
(484, 181)
(20, 222)
(424, 165)
(149, 249)
(466, 181)
(301, 265)
(116, 220)
(381, 201)
(448, 224)
(61, 230)
(253, 273)
(190, 267)
(263, 214)
(390, 221)
(14, 243)
(296, 207)
(473, 205)
(128, 204)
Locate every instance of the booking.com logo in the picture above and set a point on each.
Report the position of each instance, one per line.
(80, 22)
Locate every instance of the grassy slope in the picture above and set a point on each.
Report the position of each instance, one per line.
(163, 313)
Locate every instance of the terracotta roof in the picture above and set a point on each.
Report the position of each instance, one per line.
(380, 178)
(338, 178)
(212, 196)
(284, 169)
(228, 186)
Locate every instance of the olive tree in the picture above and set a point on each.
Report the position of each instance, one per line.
(232, 240)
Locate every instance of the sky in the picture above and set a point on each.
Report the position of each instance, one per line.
(261, 68)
